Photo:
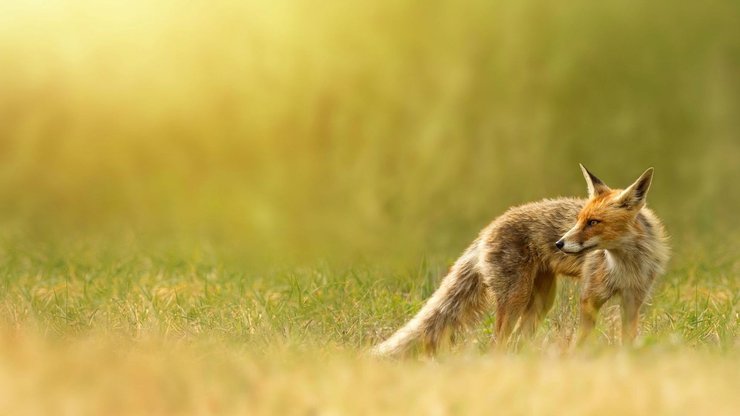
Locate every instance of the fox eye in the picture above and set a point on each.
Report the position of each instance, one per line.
(591, 223)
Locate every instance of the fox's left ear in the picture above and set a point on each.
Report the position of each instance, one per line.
(634, 196)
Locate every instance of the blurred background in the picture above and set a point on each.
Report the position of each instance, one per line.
(290, 130)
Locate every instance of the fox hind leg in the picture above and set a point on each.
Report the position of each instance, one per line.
(512, 300)
(506, 319)
(540, 303)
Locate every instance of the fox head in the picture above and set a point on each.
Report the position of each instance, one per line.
(607, 216)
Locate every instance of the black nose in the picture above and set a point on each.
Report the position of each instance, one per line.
(560, 244)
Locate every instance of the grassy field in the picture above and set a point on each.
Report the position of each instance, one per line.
(217, 207)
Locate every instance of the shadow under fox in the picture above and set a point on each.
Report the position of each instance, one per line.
(610, 241)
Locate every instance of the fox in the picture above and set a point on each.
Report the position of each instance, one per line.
(611, 242)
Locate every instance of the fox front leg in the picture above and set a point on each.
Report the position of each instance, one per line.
(595, 293)
(589, 313)
(631, 302)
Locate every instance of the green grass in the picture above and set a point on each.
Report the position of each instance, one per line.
(218, 207)
(196, 335)
(354, 306)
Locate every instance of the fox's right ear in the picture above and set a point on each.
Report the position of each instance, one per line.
(634, 195)
(595, 186)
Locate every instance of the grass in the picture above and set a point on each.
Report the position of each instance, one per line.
(199, 378)
(350, 306)
(218, 207)
(198, 337)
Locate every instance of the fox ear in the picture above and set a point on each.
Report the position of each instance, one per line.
(595, 186)
(634, 196)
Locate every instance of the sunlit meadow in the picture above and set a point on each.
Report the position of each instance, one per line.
(217, 207)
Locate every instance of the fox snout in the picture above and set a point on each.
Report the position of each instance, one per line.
(574, 241)
(568, 247)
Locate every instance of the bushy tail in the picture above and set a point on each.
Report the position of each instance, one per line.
(458, 301)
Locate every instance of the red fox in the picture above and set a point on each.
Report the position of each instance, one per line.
(610, 241)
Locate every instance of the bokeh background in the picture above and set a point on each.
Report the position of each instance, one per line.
(216, 207)
(301, 131)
